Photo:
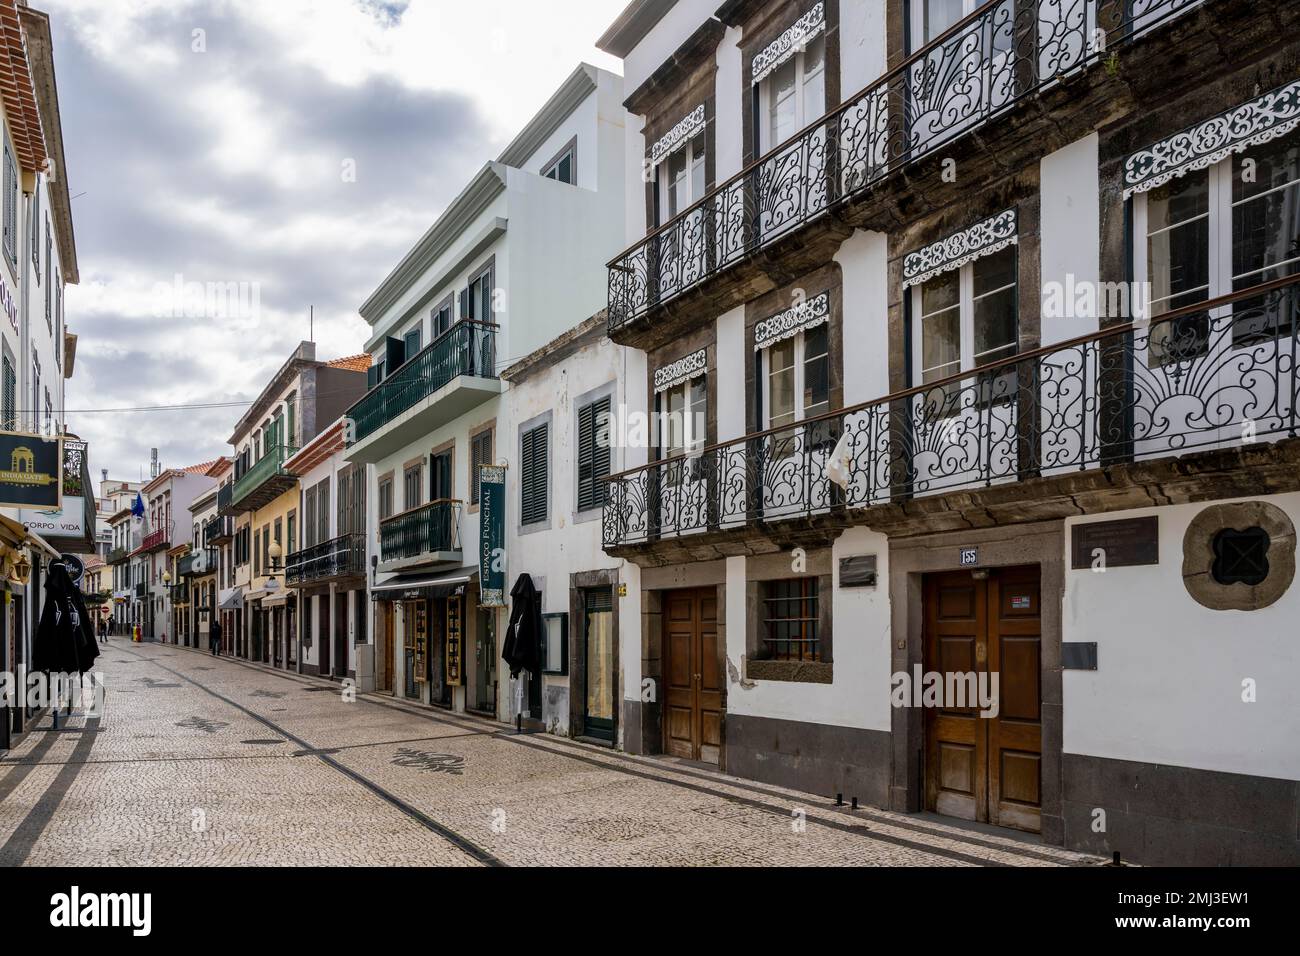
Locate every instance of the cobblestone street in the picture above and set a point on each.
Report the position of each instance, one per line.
(207, 761)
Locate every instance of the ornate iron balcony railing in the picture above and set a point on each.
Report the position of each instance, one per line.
(980, 67)
(225, 496)
(340, 556)
(269, 465)
(428, 530)
(154, 540)
(467, 348)
(117, 556)
(218, 529)
(1215, 374)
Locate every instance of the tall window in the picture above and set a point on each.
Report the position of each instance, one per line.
(794, 95)
(49, 286)
(683, 409)
(480, 453)
(965, 318)
(10, 207)
(593, 453)
(533, 482)
(790, 619)
(797, 372)
(681, 179)
(441, 319)
(9, 396)
(385, 497)
(413, 486)
(36, 231)
(1216, 231)
(412, 340)
(479, 296)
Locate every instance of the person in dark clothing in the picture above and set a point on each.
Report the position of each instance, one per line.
(214, 638)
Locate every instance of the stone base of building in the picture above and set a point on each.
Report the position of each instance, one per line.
(1160, 815)
(813, 758)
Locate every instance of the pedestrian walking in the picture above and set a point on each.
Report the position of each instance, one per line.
(214, 638)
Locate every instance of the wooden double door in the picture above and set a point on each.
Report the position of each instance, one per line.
(985, 768)
(692, 675)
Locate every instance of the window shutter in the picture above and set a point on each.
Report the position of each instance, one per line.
(466, 304)
(600, 454)
(586, 455)
(372, 377)
(534, 484)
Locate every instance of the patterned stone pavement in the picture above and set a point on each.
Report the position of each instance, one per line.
(203, 761)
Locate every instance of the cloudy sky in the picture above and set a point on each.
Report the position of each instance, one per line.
(215, 141)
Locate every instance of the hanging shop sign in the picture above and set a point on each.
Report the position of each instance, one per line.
(31, 471)
(454, 656)
(492, 536)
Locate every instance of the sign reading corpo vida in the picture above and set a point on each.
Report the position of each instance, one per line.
(492, 536)
(31, 471)
(970, 557)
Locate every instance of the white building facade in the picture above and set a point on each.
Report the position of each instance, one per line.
(506, 269)
(934, 442)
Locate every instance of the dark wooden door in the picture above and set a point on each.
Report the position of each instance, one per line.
(323, 633)
(692, 675)
(341, 635)
(985, 768)
(387, 611)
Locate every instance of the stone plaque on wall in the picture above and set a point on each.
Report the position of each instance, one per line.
(1130, 542)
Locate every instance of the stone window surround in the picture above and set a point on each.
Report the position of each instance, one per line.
(608, 390)
(1009, 546)
(759, 570)
(545, 418)
(826, 279)
(578, 581)
(448, 446)
(488, 426)
(761, 30)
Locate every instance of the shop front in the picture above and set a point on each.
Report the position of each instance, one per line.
(442, 645)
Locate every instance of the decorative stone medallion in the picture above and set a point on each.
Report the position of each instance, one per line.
(1212, 554)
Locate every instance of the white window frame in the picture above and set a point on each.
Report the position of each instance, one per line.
(667, 187)
(767, 91)
(800, 379)
(965, 320)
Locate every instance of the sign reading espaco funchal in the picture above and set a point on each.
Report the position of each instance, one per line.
(492, 536)
(31, 471)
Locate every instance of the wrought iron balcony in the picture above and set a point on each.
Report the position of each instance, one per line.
(1217, 374)
(218, 529)
(155, 540)
(225, 498)
(117, 556)
(340, 557)
(425, 535)
(455, 373)
(983, 66)
(265, 481)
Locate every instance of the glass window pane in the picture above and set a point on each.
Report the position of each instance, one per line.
(1266, 214)
(940, 292)
(939, 15)
(781, 383)
(940, 345)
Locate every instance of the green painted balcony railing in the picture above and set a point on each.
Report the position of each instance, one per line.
(270, 465)
(430, 529)
(467, 348)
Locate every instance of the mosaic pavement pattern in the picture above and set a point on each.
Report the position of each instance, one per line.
(204, 762)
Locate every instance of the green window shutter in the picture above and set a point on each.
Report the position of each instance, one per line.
(586, 455)
(534, 479)
(600, 456)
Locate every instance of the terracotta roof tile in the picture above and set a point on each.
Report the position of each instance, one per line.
(354, 363)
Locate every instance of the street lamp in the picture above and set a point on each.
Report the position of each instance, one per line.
(275, 553)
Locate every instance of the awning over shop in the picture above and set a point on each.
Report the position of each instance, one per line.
(232, 601)
(278, 599)
(414, 587)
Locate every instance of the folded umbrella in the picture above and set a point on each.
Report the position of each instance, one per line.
(64, 642)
